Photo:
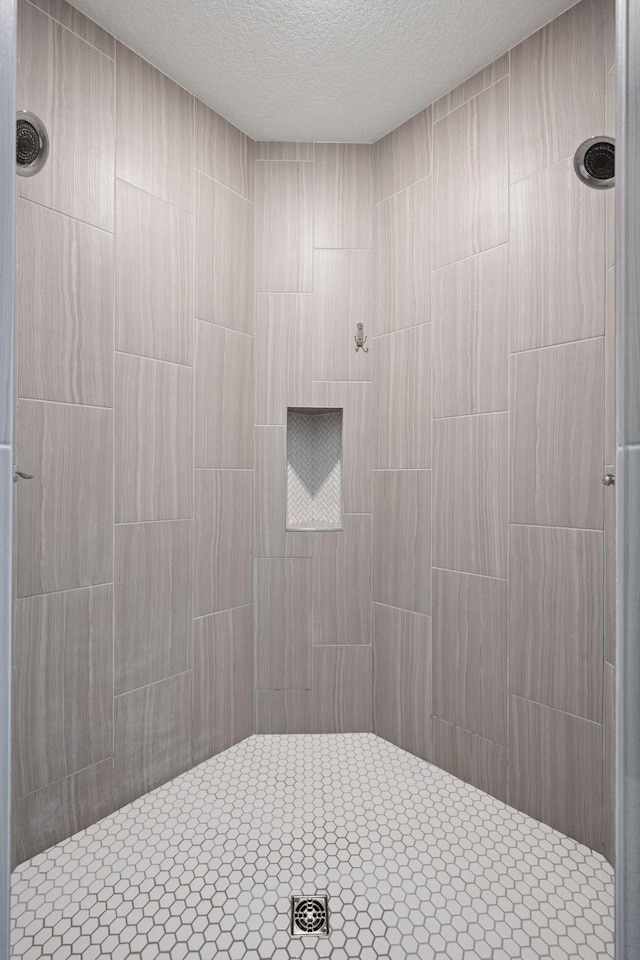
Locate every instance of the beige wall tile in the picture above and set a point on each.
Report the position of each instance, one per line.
(283, 150)
(154, 131)
(403, 397)
(404, 156)
(402, 539)
(343, 194)
(470, 653)
(223, 152)
(341, 695)
(342, 583)
(471, 335)
(283, 624)
(471, 758)
(555, 771)
(70, 86)
(403, 258)
(356, 401)
(75, 21)
(152, 736)
(270, 539)
(556, 293)
(153, 440)
(402, 680)
(224, 256)
(64, 308)
(557, 88)
(222, 540)
(557, 435)
(154, 277)
(283, 338)
(284, 227)
(555, 618)
(471, 212)
(471, 87)
(65, 514)
(283, 711)
(152, 609)
(610, 571)
(223, 398)
(610, 369)
(344, 297)
(222, 681)
(610, 197)
(64, 685)
(608, 847)
(470, 494)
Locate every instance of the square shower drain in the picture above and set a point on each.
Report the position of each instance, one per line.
(310, 916)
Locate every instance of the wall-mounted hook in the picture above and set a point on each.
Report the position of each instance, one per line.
(18, 473)
(360, 339)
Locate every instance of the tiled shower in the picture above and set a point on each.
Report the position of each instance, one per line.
(187, 309)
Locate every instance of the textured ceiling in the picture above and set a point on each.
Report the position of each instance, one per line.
(320, 69)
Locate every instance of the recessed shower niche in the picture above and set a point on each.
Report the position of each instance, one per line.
(314, 468)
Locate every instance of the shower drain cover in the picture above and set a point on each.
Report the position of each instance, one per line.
(310, 915)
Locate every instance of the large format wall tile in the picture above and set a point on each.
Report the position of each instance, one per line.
(153, 577)
(152, 736)
(343, 297)
(471, 758)
(342, 583)
(357, 433)
(471, 87)
(65, 514)
(64, 308)
(404, 156)
(283, 338)
(470, 177)
(283, 150)
(282, 711)
(610, 369)
(557, 88)
(341, 695)
(555, 618)
(555, 771)
(75, 21)
(222, 540)
(223, 152)
(471, 335)
(224, 256)
(223, 398)
(270, 537)
(154, 131)
(609, 767)
(153, 437)
(556, 293)
(283, 624)
(222, 681)
(154, 277)
(403, 397)
(402, 539)
(470, 494)
(610, 571)
(283, 227)
(470, 652)
(557, 435)
(70, 86)
(403, 257)
(343, 194)
(402, 681)
(64, 684)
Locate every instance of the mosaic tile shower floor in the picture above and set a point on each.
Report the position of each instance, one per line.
(417, 864)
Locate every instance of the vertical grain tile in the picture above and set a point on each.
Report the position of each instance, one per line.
(154, 131)
(64, 308)
(283, 345)
(471, 212)
(343, 194)
(70, 86)
(402, 679)
(403, 398)
(153, 436)
(610, 571)
(154, 277)
(610, 368)
(471, 335)
(357, 428)
(343, 297)
(555, 770)
(555, 618)
(270, 538)
(222, 681)
(470, 494)
(609, 763)
(222, 540)
(223, 398)
(557, 435)
(402, 539)
(223, 152)
(471, 758)
(342, 583)
(75, 21)
(403, 156)
(470, 652)
(471, 87)
(283, 590)
(610, 130)
(152, 610)
(283, 227)
(283, 711)
(283, 150)
(403, 256)
(64, 515)
(341, 694)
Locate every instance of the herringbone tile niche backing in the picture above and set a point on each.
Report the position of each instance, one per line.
(314, 468)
